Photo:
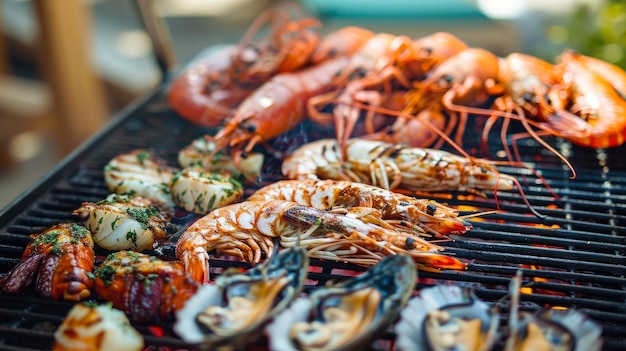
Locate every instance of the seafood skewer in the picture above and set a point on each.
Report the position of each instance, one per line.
(247, 230)
(239, 304)
(347, 316)
(401, 210)
(62, 258)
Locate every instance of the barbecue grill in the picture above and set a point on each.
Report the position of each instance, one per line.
(574, 257)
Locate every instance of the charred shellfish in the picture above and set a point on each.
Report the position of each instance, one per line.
(447, 318)
(555, 330)
(239, 304)
(349, 315)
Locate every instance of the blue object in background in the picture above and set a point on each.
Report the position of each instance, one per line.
(394, 8)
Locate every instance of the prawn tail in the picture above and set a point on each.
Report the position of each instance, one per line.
(196, 263)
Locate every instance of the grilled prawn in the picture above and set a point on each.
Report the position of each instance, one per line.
(142, 173)
(394, 166)
(401, 210)
(62, 257)
(144, 287)
(248, 229)
(124, 222)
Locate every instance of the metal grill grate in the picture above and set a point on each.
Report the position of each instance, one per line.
(574, 256)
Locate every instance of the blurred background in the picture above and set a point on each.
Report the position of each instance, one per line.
(67, 67)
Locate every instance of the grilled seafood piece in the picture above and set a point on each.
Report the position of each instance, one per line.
(142, 173)
(394, 166)
(347, 316)
(144, 287)
(446, 317)
(198, 153)
(198, 191)
(124, 222)
(62, 257)
(555, 329)
(239, 304)
(400, 210)
(206, 92)
(102, 327)
(247, 230)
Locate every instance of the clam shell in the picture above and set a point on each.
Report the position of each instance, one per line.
(556, 329)
(238, 305)
(446, 317)
(349, 315)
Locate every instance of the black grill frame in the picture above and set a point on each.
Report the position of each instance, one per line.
(582, 260)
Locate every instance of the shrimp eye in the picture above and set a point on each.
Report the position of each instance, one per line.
(528, 97)
(426, 52)
(430, 209)
(410, 243)
(548, 100)
(362, 72)
(251, 128)
(448, 78)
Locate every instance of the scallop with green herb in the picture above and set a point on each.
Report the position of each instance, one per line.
(124, 222)
(196, 190)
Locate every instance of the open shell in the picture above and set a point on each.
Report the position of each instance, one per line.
(239, 304)
(447, 317)
(349, 315)
(556, 330)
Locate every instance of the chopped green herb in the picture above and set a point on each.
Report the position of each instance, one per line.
(142, 156)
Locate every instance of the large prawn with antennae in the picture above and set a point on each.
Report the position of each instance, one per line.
(207, 91)
(395, 166)
(249, 229)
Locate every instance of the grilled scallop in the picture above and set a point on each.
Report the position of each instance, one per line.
(101, 327)
(196, 190)
(347, 316)
(142, 173)
(198, 154)
(124, 222)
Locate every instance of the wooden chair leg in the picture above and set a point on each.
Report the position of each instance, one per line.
(64, 43)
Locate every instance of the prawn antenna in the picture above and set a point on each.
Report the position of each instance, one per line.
(525, 122)
(521, 191)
